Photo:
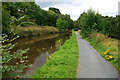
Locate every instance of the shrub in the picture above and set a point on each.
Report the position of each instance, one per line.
(62, 24)
(12, 70)
(27, 24)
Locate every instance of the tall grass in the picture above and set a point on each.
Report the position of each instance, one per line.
(106, 47)
(63, 63)
(36, 30)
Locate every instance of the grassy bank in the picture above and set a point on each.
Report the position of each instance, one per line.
(36, 30)
(106, 47)
(63, 63)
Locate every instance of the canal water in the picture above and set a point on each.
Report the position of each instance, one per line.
(40, 48)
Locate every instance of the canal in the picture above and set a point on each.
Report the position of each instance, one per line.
(40, 48)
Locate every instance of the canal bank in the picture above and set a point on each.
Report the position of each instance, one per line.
(40, 48)
(63, 63)
(36, 31)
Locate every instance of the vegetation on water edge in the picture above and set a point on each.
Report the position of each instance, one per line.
(12, 70)
(36, 30)
(106, 47)
(63, 63)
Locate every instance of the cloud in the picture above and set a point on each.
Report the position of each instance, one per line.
(76, 7)
(46, 4)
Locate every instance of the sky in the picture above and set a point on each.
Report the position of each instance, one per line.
(76, 7)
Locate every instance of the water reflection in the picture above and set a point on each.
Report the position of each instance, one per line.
(40, 47)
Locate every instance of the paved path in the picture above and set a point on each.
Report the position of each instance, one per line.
(91, 64)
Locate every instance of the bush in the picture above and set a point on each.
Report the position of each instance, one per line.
(87, 20)
(91, 21)
(62, 24)
(27, 24)
(5, 21)
(12, 70)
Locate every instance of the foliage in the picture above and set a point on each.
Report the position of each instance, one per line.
(62, 24)
(63, 63)
(55, 10)
(52, 17)
(29, 12)
(76, 27)
(20, 21)
(88, 22)
(91, 21)
(27, 24)
(5, 20)
(67, 18)
(59, 23)
(65, 24)
(12, 70)
(24, 18)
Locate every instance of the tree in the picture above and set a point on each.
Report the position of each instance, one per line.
(89, 21)
(65, 24)
(76, 27)
(59, 23)
(52, 18)
(5, 20)
(62, 24)
(55, 10)
(33, 12)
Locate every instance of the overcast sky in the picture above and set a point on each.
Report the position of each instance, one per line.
(75, 7)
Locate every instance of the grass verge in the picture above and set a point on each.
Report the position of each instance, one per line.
(63, 63)
(106, 47)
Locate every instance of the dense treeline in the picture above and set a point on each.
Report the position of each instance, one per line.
(29, 13)
(93, 21)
